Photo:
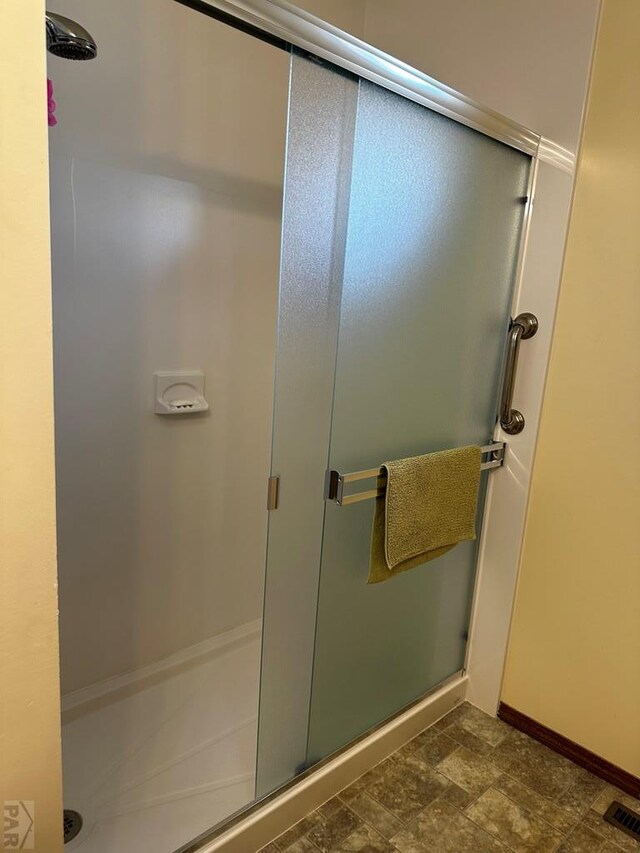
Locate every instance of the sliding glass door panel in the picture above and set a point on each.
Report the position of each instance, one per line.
(317, 180)
(435, 218)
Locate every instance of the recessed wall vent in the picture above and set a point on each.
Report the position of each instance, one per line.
(625, 819)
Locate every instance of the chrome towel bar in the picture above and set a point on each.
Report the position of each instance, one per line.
(336, 482)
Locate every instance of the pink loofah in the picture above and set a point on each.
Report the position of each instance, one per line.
(51, 105)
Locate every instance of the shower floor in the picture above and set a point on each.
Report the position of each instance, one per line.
(150, 770)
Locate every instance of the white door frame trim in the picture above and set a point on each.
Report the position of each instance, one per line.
(536, 290)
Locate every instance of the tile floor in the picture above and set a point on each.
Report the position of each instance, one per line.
(467, 784)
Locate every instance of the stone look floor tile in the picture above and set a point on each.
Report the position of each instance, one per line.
(416, 743)
(535, 766)
(480, 726)
(330, 807)
(535, 803)
(609, 832)
(299, 829)
(415, 763)
(436, 749)
(362, 783)
(364, 840)
(467, 784)
(456, 796)
(609, 794)
(405, 792)
(330, 831)
(457, 713)
(302, 845)
(581, 840)
(375, 815)
(441, 828)
(579, 797)
(388, 763)
(519, 829)
(469, 771)
(465, 738)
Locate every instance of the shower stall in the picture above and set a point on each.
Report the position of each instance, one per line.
(267, 266)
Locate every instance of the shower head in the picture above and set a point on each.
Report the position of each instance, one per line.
(67, 39)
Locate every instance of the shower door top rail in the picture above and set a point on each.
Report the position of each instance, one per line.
(336, 482)
(284, 24)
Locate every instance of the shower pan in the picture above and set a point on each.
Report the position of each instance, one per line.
(332, 255)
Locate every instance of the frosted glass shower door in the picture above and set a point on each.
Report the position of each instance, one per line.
(435, 215)
(401, 231)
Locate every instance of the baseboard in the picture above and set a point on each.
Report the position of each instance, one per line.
(595, 764)
(266, 820)
(96, 695)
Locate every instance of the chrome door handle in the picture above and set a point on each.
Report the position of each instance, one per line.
(523, 327)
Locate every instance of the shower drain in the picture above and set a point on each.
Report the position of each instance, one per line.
(72, 824)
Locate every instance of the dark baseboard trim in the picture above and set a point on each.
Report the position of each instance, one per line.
(600, 767)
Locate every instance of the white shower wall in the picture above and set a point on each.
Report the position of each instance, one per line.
(166, 172)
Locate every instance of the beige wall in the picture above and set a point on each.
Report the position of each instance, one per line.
(574, 655)
(348, 15)
(529, 61)
(29, 721)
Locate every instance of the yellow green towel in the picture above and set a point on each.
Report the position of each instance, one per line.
(429, 505)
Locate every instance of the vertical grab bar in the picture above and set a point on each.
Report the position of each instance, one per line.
(523, 327)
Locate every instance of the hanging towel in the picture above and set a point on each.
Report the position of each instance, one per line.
(429, 505)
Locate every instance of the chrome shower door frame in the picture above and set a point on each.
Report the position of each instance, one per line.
(284, 24)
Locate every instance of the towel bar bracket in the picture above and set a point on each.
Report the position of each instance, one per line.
(335, 482)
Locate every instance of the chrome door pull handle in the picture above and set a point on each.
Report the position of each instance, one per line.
(523, 327)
